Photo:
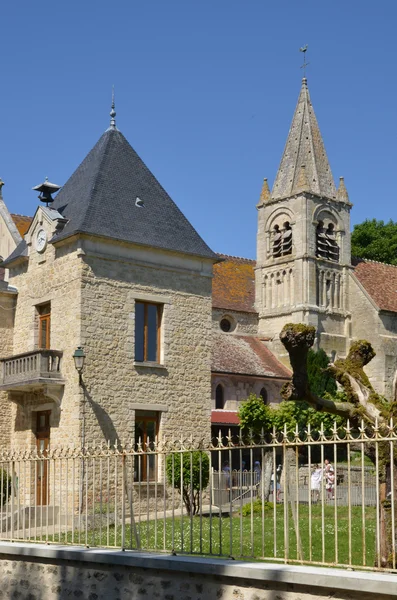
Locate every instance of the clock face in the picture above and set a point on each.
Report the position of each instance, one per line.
(41, 240)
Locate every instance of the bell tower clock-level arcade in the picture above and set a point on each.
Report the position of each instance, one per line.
(303, 240)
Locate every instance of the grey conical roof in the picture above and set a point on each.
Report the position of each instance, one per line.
(304, 147)
(100, 198)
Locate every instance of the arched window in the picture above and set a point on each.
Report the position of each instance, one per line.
(219, 397)
(263, 395)
(326, 244)
(287, 239)
(282, 240)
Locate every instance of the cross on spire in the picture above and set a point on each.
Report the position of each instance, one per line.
(305, 64)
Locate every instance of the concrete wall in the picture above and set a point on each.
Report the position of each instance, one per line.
(37, 572)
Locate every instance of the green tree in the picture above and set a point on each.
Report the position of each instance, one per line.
(255, 416)
(193, 476)
(375, 240)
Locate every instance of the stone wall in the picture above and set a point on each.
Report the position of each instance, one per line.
(36, 572)
(55, 277)
(378, 329)
(179, 387)
(237, 388)
(244, 322)
(7, 315)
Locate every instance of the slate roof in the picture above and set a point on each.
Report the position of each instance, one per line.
(380, 282)
(233, 286)
(22, 223)
(304, 146)
(100, 199)
(245, 355)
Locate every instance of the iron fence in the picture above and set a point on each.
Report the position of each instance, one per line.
(303, 498)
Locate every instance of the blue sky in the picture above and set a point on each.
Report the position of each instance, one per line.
(205, 93)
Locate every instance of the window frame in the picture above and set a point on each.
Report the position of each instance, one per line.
(159, 321)
(142, 458)
(44, 314)
(222, 389)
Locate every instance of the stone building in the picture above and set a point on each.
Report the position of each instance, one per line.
(176, 336)
(113, 266)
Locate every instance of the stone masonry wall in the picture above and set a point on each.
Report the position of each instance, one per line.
(7, 313)
(114, 382)
(56, 575)
(54, 277)
(367, 324)
(245, 323)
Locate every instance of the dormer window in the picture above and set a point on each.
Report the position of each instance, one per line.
(282, 240)
(326, 244)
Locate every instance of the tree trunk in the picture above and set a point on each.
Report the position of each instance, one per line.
(267, 469)
(289, 479)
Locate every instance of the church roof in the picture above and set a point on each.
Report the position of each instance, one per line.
(245, 355)
(22, 223)
(304, 148)
(379, 281)
(113, 194)
(233, 286)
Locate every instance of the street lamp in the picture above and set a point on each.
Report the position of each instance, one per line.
(79, 359)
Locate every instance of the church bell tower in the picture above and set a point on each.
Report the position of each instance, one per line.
(303, 240)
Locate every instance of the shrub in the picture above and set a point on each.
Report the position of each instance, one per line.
(256, 508)
(5, 486)
(192, 464)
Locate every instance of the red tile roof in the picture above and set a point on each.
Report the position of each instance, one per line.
(224, 417)
(380, 282)
(22, 223)
(233, 286)
(245, 355)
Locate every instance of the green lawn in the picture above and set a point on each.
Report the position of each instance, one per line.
(249, 536)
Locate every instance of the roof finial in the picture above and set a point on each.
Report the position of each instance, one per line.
(265, 194)
(1, 187)
(304, 50)
(342, 194)
(113, 112)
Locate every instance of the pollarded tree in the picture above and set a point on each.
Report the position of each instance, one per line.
(362, 404)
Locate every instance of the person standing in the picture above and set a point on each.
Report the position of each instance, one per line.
(315, 482)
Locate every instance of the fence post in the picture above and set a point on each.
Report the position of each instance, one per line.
(12, 498)
(123, 488)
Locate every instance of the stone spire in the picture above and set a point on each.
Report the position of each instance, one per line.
(304, 146)
(265, 194)
(342, 194)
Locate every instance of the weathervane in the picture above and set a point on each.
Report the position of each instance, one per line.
(304, 50)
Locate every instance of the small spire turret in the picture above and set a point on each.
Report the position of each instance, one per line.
(265, 194)
(342, 194)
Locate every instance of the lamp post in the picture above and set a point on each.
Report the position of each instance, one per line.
(79, 359)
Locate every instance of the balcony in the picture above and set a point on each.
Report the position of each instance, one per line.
(39, 370)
